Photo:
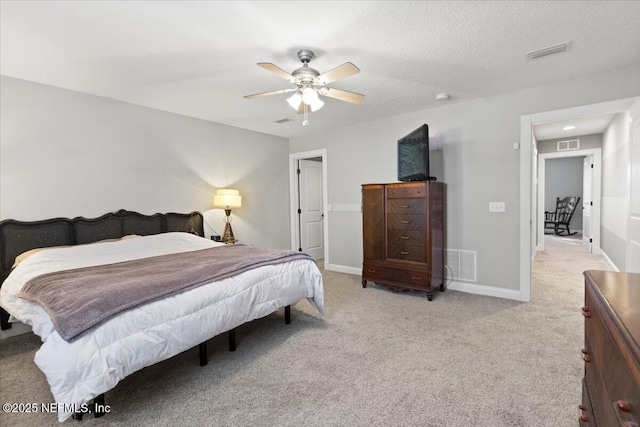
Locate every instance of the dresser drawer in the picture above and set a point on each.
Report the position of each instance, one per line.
(412, 277)
(375, 272)
(619, 383)
(403, 191)
(586, 408)
(405, 252)
(408, 237)
(406, 206)
(405, 222)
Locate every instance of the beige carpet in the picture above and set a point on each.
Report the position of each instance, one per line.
(379, 358)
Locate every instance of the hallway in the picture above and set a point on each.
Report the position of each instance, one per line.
(559, 267)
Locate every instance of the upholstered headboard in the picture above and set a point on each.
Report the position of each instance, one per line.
(17, 237)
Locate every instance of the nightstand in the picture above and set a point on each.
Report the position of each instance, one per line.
(220, 241)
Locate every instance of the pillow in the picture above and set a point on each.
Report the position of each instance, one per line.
(27, 254)
(30, 252)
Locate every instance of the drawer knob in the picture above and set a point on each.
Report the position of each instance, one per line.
(583, 418)
(404, 252)
(582, 408)
(417, 278)
(623, 405)
(371, 271)
(404, 206)
(405, 222)
(586, 358)
(584, 351)
(404, 237)
(585, 312)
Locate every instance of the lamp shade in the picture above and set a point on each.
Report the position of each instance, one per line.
(295, 100)
(227, 199)
(309, 95)
(316, 105)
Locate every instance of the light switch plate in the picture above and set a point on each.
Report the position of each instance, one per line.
(496, 207)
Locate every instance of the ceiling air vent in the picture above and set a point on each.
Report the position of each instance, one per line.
(570, 144)
(557, 48)
(282, 121)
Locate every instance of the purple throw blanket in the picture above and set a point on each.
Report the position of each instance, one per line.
(79, 299)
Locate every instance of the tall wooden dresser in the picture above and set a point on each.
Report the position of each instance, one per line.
(403, 235)
(611, 384)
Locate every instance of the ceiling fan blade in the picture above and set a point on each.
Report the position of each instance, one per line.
(340, 72)
(273, 92)
(342, 95)
(277, 71)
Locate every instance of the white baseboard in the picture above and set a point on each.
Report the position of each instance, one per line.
(491, 291)
(343, 269)
(471, 288)
(608, 261)
(17, 328)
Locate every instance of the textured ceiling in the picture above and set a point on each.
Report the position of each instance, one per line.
(199, 58)
(581, 126)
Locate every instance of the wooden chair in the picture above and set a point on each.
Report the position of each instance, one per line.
(562, 216)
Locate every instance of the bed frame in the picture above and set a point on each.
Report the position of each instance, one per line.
(17, 237)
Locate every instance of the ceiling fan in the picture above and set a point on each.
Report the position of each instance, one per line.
(310, 84)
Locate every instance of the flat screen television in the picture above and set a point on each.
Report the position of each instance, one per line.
(413, 156)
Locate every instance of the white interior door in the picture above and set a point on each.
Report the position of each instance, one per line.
(311, 208)
(633, 220)
(587, 202)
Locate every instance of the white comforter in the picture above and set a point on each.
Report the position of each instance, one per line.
(97, 361)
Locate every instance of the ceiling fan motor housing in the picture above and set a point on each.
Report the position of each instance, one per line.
(305, 55)
(305, 74)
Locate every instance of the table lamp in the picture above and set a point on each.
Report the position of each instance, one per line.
(227, 199)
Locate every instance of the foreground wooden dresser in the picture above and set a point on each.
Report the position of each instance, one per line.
(403, 235)
(611, 384)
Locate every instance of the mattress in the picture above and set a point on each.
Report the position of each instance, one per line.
(80, 370)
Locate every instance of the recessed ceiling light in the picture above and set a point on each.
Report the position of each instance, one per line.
(568, 127)
(443, 97)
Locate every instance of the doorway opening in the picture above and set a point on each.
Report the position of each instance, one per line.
(308, 203)
(588, 210)
(529, 211)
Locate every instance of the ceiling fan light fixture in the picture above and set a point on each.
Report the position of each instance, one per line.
(295, 100)
(309, 95)
(310, 84)
(316, 105)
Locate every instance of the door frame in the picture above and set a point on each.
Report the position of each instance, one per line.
(293, 197)
(596, 191)
(587, 179)
(527, 174)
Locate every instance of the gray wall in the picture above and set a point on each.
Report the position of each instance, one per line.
(65, 153)
(481, 165)
(586, 142)
(615, 190)
(563, 178)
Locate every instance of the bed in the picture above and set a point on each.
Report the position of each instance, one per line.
(83, 367)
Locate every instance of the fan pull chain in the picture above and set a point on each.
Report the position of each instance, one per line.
(305, 107)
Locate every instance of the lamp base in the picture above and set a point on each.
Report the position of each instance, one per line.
(227, 236)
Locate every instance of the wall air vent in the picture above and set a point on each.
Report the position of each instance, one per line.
(535, 54)
(282, 121)
(462, 264)
(570, 144)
